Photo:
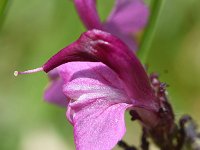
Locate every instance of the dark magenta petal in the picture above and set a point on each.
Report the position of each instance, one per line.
(88, 13)
(97, 45)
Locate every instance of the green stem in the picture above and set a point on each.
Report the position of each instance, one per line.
(155, 6)
(3, 8)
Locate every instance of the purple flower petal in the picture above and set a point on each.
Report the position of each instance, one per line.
(88, 13)
(128, 16)
(53, 74)
(96, 45)
(99, 127)
(90, 70)
(94, 78)
(97, 105)
(54, 92)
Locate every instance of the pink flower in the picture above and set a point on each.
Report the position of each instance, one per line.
(125, 20)
(99, 90)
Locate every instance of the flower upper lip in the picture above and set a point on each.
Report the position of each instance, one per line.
(96, 45)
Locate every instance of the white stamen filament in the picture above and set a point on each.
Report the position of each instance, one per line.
(16, 73)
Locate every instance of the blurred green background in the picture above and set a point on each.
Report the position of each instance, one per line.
(35, 30)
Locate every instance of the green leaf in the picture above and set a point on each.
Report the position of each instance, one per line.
(3, 9)
(155, 7)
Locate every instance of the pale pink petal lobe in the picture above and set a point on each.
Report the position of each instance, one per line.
(84, 82)
(97, 106)
(98, 126)
(129, 16)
